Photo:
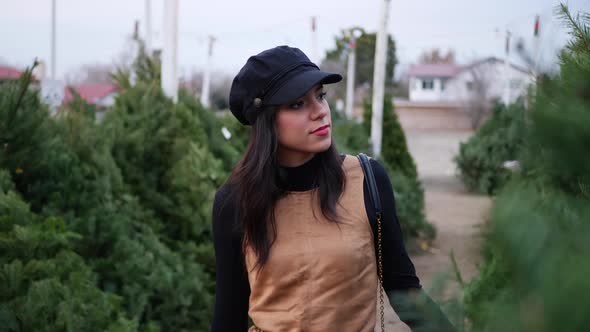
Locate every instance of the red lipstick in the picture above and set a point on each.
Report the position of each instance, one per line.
(322, 131)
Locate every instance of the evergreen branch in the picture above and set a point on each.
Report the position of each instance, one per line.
(580, 28)
(25, 81)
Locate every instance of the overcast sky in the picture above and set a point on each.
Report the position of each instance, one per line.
(98, 31)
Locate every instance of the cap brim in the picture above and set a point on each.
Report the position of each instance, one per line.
(298, 86)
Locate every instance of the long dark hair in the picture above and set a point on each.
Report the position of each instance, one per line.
(255, 184)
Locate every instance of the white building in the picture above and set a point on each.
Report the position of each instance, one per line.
(428, 82)
(449, 96)
(489, 78)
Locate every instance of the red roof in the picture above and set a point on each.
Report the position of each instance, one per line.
(90, 92)
(9, 73)
(434, 70)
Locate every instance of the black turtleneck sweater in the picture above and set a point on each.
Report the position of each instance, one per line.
(233, 290)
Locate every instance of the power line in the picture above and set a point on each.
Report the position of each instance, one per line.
(241, 33)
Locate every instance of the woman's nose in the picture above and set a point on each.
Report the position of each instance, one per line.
(319, 110)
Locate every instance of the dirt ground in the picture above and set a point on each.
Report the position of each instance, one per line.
(456, 213)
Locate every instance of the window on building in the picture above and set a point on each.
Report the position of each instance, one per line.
(469, 86)
(427, 84)
(443, 82)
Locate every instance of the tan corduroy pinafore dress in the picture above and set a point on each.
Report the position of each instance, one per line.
(320, 276)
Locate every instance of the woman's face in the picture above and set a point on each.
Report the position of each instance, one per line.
(303, 128)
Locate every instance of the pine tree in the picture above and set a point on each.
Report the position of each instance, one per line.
(500, 139)
(402, 170)
(394, 147)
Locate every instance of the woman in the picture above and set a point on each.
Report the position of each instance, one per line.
(293, 243)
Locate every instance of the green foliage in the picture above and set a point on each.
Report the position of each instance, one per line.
(409, 199)
(46, 286)
(144, 69)
(578, 46)
(156, 145)
(160, 149)
(533, 277)
(560, 132)
(499, 139)
(350, 137)
(106, 226)
(230, 153)
(535, 264)
(5, 181)
(240, 134)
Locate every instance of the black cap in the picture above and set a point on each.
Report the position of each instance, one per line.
(274, 77)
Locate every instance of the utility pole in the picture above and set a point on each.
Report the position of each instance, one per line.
(314, 41)
(379, 81)
(169, 58)
(207, 74)
(350, 73)
(148, 27)
(53, 28)
(506, 97)
(136, 30)
(536, 43)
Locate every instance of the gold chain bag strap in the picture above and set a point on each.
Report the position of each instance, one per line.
(376, 201)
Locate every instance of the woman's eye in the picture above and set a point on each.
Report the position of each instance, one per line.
(322, 96)
(296, 105)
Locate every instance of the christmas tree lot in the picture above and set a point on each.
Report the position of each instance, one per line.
(105, 225)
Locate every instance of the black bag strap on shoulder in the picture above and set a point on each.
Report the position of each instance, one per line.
(376, 201)
(370, 177)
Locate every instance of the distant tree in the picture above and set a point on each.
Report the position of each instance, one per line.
(193, 82)
(479, 103)
(435, 56)
(220, 86)
(97, 73)
(365, 56)
(220, 91)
